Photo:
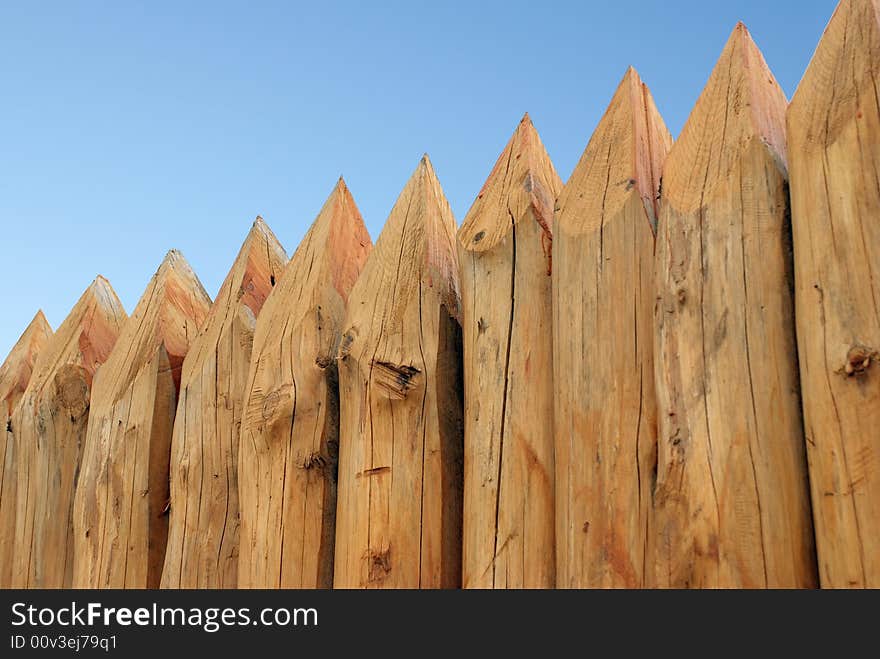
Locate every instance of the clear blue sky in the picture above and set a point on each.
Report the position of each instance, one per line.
(128, 128)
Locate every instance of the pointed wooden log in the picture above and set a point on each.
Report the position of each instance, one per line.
(398, 516)
(834, 151)
(15, 373)
(49, 428)
(120, 512)
(603, 305)
(290, 432)
(203, 527)
(504, 257)
(731, 500)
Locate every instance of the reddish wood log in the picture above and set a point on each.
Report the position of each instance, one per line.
(731, 502)
(603, 328)
(15, 373)
(398, 522)
(834, 151)
(49, 427)
(290, 432)
(120, 514)
(504, 254)
(203, 534)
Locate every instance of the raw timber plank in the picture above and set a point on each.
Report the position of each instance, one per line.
(203, 532)
(731, 501)
(120, 511)
(504, 249)
(49, 427)
(603, 305)
(290, 432)
(834, 151)
(398, 519)
(15, 373)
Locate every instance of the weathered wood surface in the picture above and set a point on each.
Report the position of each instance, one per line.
(120, 512)
(398, 522)
(15, 373)
(603, 305)
(49, 427)
(504, 251)
(290, 432)
(731, 502)
(203, 532)
(834, 151)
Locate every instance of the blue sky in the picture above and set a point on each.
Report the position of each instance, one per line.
(128, 128)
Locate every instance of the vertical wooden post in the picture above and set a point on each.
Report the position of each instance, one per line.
(290, 431)
(398, 521)
(603, 302)
(504, 249)
(203, 524)
(120, 511)
(49, 427)
(15, 373)
(731, 501)
(834, 150)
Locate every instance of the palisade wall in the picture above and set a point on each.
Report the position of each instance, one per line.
(663, 373)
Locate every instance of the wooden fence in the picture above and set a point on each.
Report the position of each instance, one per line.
(664, 373)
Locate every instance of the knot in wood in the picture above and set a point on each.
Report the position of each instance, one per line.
(314, 461)
(345, 345)
(858, 360)
(380, 564)
(72, 387)
(395, 380)
(270, 405)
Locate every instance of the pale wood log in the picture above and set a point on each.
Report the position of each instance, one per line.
(504, 247)
(731, 501)
(290, 431)
(203, 527)
(15, 373)
(49, 430)
(603, 305)
(398, 520)
(120, 511)
(834, 151)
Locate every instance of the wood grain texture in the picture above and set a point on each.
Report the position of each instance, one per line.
(290, 433)
(399, 509)
(49, 427)
(603, 304)
(731, 502)
(834, 151)
(504, 248)
(120, 511)
(15, 373)
(203, 527)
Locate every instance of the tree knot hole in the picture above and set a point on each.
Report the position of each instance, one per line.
(345, 345)
(380, 564)
(314, 460)
(396, 380)
(858, 360)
